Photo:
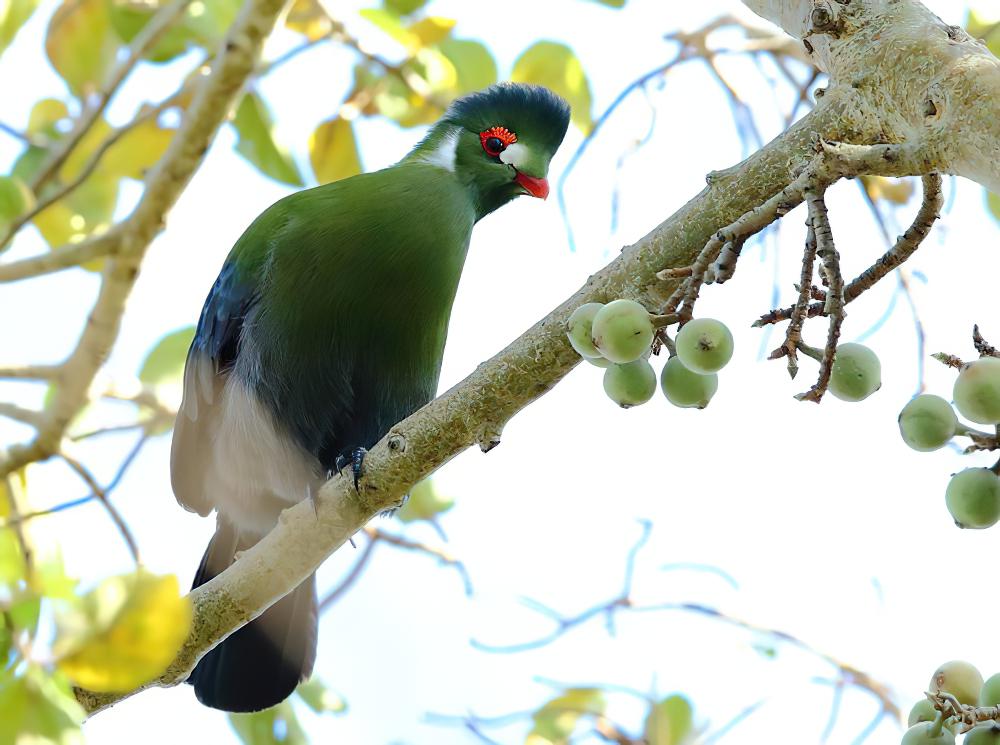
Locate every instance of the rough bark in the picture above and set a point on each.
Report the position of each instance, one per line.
(887, 60)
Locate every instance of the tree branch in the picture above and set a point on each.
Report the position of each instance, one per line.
(474, 411)
(128, 241)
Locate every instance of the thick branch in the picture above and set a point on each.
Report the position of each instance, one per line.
(923, 81)
(480, 405)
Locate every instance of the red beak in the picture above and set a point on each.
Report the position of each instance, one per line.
(536, 187)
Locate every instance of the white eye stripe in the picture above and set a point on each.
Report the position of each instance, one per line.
(514, 155)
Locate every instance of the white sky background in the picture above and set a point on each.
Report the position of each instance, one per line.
(835, 531)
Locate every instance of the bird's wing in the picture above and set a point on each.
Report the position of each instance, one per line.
(209, 360)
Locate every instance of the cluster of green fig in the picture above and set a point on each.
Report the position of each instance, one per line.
(928, 422)
(618, 336)
(856, 373)
(928, 726)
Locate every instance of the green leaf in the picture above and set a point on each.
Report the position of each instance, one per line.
(11, 558)
(275, 726)
(980, 26)
(203, 24)
(13, 14)
(473, 63)
(81, 44)
(164, 363)
(403, 7)
(255, 127)
(993, 204)
(128, 17)
(319, 698)
(39, 710)
(558, 718)
(333, 151)
(424, 503)
(389, 22)
(669, 722)
(555, 66)
(15, 199)
(24, 612)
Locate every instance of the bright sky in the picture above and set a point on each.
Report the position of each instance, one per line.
(834, 530)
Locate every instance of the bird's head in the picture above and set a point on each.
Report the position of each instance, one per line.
(499, 141)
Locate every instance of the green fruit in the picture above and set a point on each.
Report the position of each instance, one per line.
(622, 331)
(924, 711)
(927, 423)
(856, 374)
(973, 499)
(959, 678)
(977, 391)
(983, 734)
(989, 695)
(599, 361)
(687, 389)
(704, 345)
(923, 734)
(630, 384)
(578, 329)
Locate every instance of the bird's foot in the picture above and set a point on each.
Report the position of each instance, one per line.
(357, 464)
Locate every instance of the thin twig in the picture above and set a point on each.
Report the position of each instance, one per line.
(30, 372)
(150, 34)
(89, 167)
(904, 247)
(826, 251)
(98, 491)
(26, 416)
(793, 334)
(350, 578)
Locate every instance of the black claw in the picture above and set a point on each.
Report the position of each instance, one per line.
(357, 461)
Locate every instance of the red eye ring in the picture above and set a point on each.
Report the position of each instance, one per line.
(496, 139)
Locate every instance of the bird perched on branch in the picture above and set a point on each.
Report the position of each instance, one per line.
(325, 327)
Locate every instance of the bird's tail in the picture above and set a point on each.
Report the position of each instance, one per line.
(260, 664)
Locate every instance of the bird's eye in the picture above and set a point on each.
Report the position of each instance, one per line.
(496, 139)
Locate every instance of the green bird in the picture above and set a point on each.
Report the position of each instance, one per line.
(325, 327)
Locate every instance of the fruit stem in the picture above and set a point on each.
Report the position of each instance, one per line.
(967, 431)
(816, 354)
(937, 725)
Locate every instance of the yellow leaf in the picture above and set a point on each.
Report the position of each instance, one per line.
(555, 66)
(124, 633)
(431, 30)
(13, 15)
(45, 114)
(137, 151)
(897, 191)
(308, 17)
(81, 45)
(86, 211)
(333, 151)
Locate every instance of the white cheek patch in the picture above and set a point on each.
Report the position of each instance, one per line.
(515, 155)
(443, 156)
